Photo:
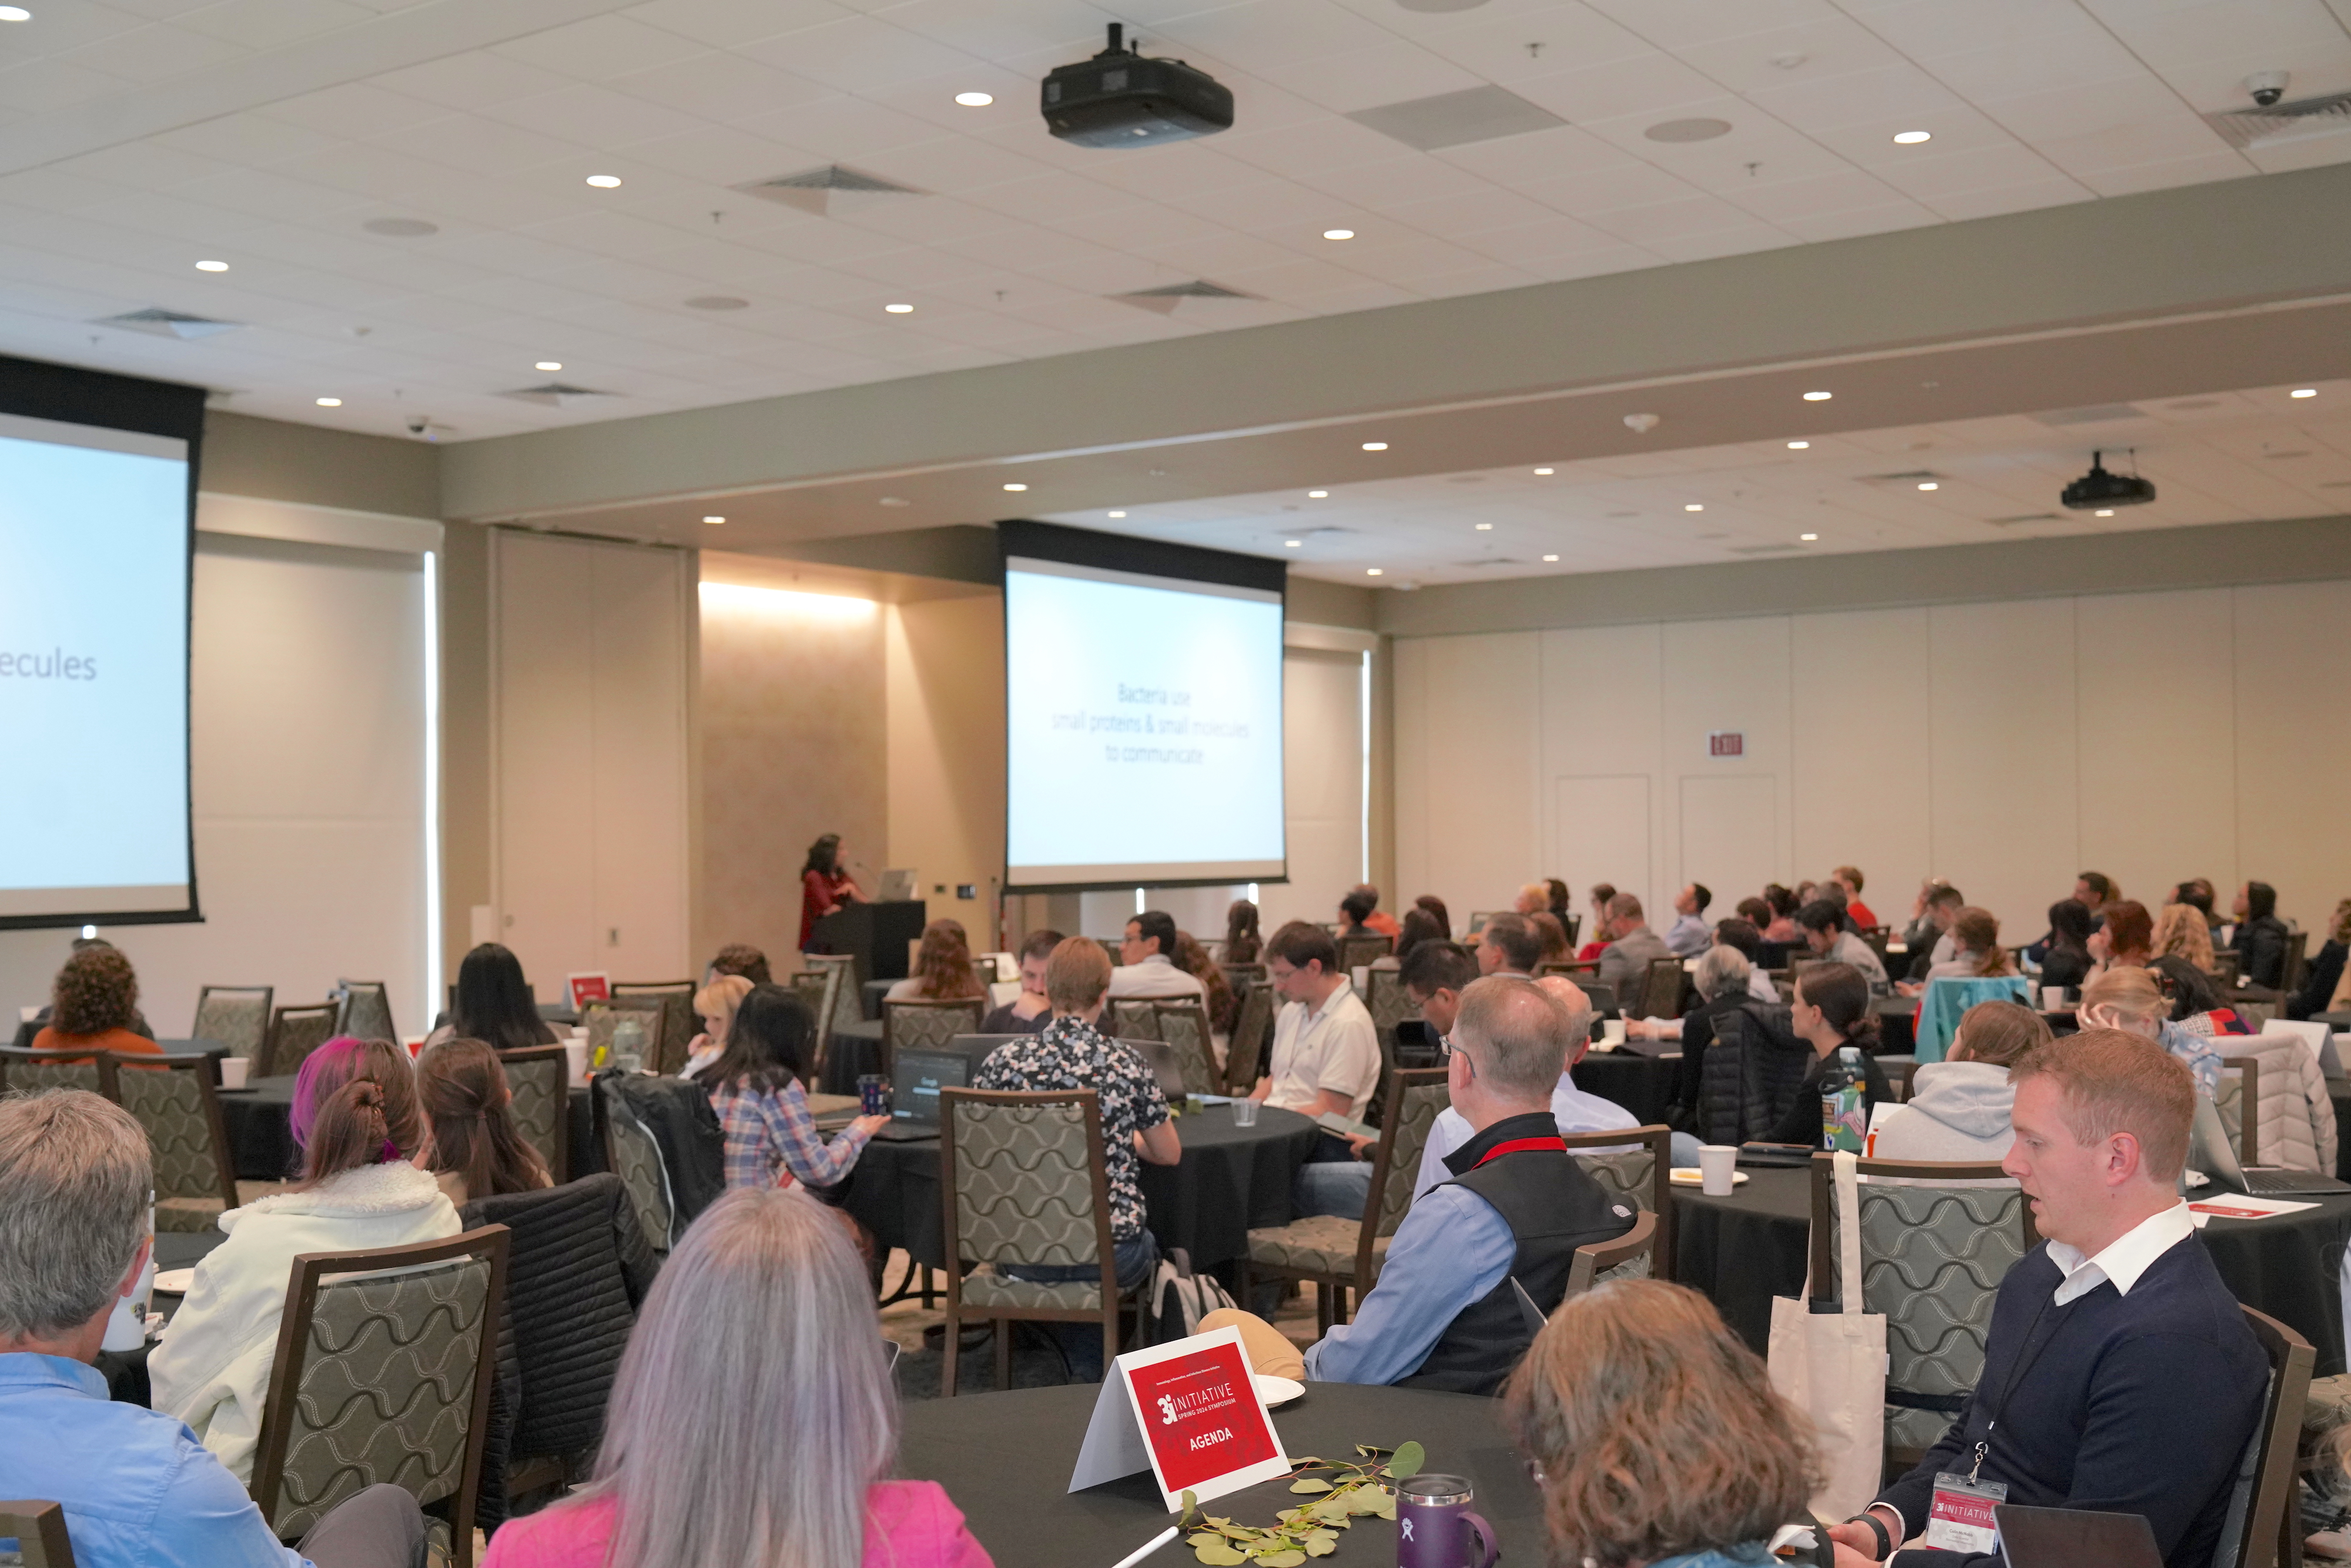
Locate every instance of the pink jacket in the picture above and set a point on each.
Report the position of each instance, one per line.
(909, 1524)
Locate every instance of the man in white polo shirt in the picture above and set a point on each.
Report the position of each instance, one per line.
(1326, 1053)
(1146, 962)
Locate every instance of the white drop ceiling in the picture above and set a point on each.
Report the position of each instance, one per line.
(144, 135)
(2226, 458)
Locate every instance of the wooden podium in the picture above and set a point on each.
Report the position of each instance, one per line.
(874, 935)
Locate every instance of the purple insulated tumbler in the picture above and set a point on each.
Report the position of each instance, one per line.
(1435, 1525)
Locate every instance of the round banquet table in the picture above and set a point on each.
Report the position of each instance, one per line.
(1231, 1179)
(1642, 1085)
(1740, 1251)
(2339, 1091)
(856, 1050)
(259, 1119)
(1004, 1460)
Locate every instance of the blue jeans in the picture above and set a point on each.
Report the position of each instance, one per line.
(1081, 1343)
(1685, 1151)
(1340, 1188)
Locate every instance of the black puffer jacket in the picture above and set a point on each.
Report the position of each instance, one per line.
(577, 1270)
(1752, 1074)
(677, 1112)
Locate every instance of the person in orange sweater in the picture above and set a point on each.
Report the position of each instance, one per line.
(94, 1005)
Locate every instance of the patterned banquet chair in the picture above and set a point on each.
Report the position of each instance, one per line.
(176, 1100)
(539, 1078)
(919, 1025)
(23, 1071)
(819, 991)
(366, 1010)
(1636, 1164)
(294, 1034)
(1185, 1025)
(1252, 1027)
(1389, 1004)
(236, 1017)
(1135, 1018)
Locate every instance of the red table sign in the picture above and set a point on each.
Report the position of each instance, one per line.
(586, 989)
(1191, 1411)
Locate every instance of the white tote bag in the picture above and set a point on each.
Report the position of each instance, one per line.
(1832, 1366)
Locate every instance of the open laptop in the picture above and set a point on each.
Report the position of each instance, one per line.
(897, 887)
(1160, 1057)
(2072, 1538)
(915, 1079)
(2210, 1151)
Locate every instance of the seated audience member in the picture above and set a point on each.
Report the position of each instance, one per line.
(2261, 937)
(94, 1005)
(472, 1145)
(1602, 892)
(1655, 1436)
(1572, 1110)
(1976, 952)
(944, 971)
(1846, 879)
(494, 1004)
(1552, 936)
(1824, 925)
(1921, 929)
(1355, 909)
(757, 1087)
(714, 1004)
(1689, 936)
(2129, 999)
(2109, 1342)
(1726, 985)
(1072, 1052)
(2197, 893)
(2325, 991)
(1943, 904)
(1222, 1005)
(1376, 918)
(1419, 926)
(2124, 939)
(1534, 898)
(1146, 961)
(355, 1116)
(137, 1489)
(1510, 945)
(1747, 938)
(1445, 1313)
(742, 959)
(1242, 943)
(1755, 912)
(1435, 908)
(2068, 959)
(1326, 1051)
(753, 1420)
(1563, 902)
(1781, 926)
(1030, 1011)
(1958, 1107)
(1832, 1010)
(2182, 949)
(1434, 976)
(1632, 947)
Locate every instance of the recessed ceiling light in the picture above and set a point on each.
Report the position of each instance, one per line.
(714, 517)
(1545, 472)
(1375, 447)
(1317, 494)
(1928, 484)
(212, 267)
(896, 501)
(2304, 391)
(899, 310)
(330, 402)
(1115, 514)
(975, 99)
(1808, 538)
(2104, 512)
(1291, 544)
(1550, 558)
(401, 228)
(549, 365)
(1016, 487)
(1912, 137)
(1818, 396)
(716, 302)
(1694, 507)
(1485, 527)
(1798, 446)
(1372, 571)
(15, 14)
(1338, 233)
(604, 181)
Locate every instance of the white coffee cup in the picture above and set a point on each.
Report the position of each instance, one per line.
(1717, 1165)
(1612, 1030)
(575, 1053)
(232, 1070)
(2053, 1000)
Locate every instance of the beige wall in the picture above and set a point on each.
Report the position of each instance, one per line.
(946, 677)
(2004, 745)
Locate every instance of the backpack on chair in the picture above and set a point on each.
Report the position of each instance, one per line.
(1179, 1298)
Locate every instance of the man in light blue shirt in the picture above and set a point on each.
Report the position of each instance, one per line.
(1573, 1109)
(1690, 936)
(138, 1490)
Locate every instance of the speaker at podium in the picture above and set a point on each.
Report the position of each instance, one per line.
(876, 935)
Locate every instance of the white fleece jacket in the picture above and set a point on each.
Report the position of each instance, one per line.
(210, 1369)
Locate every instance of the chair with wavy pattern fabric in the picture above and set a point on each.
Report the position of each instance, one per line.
(819, 992)
(667, 1051)
(1252, 1027)
(538, 1078)
(176, 1100)
(384, 1362)
(366, 1010)
(848, 1006)
(1389, 1004)
(1936, 1239)
(1660, 993)
(1632, 1256)
(1636, 1164)
(1335, 1254)
(1133, 1018)
(1359, 952)
(236, 1017)
(634, 1156)
(1022, 1181)
(26, 1071)
(923, 1024)
(294, 1034)
(1185, 1025)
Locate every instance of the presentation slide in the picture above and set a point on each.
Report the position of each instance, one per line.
(94, 543)
(1142, 728)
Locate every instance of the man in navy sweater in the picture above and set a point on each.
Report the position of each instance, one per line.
(2120, 1375)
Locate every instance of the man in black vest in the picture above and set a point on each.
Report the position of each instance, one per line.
(1446, 1313)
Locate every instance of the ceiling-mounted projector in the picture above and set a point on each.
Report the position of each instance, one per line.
(1119, 99)
(2099, 488)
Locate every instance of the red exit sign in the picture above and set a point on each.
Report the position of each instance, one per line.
(1727, 743)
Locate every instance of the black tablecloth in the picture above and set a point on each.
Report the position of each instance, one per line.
(1746, 1249)
(856, 1050)
(1004, 1460)
(1896, 1016)
(259, 1118)
(1642, 1085)
(2339, 1091)
(1231, 1179)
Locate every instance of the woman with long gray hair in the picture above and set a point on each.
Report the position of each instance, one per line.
(753, 1418)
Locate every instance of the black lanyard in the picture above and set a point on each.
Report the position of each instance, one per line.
(2023, 1364)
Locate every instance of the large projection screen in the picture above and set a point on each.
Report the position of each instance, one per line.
(97, 531)
(1143, 713)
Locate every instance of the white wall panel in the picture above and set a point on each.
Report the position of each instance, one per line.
(1728, 830)
(1322, 767)
(1602, 713)
(1719, 676)
(1858, 752)
(2293, 660)
(1601, 826)
(1466, 802)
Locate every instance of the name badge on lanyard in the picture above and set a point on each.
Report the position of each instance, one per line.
(1961, 1519)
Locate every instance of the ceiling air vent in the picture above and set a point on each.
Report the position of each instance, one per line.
(2097, 414)
(1458, 118)
(2024, 517)
(164, 323)
(1914, 477)
(1766, 549)
(2283, 123)
(555, 394)
(1164, 299)
(833, 188)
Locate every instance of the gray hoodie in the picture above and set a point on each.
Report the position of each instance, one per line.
(1957, 1111)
